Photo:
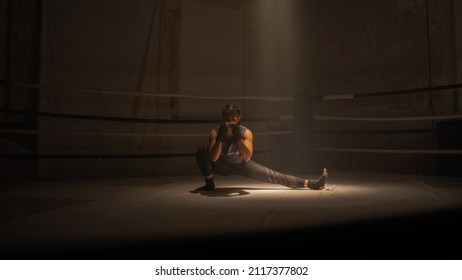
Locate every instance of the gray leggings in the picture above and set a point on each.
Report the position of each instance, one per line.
(249, 169)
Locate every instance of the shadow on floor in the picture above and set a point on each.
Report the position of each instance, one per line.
(231, 192)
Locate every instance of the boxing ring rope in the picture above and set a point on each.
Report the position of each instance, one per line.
(152, 94)
(385, 93)
(98, 118)
(190, 121)
(393, 151)
(132, 120)
(386, 119)
(24, 131)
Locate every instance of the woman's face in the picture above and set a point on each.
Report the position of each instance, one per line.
(230, 123)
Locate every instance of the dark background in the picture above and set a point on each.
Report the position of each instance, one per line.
(60, 60)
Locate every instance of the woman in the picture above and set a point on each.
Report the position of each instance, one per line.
(230, 151)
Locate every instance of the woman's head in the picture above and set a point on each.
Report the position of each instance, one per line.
(231, 112)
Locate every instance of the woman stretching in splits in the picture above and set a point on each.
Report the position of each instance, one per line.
(230, 151)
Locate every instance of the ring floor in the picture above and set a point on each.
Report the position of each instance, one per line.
(357, 216)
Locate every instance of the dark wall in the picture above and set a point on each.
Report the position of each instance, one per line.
(357, 47)
(20, 64)
(299, 49)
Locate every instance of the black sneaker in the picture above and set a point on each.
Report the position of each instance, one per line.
(320, 183)
(204, 188)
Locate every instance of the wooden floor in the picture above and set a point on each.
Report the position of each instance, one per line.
(357, 216)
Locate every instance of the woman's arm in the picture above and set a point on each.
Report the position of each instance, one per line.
(214, 146)
(246, 145)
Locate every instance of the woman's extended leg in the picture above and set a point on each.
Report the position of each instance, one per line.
(259, 172)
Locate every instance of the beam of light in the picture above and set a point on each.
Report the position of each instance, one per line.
(279, 40)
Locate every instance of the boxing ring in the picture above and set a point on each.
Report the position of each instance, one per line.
(359, 215)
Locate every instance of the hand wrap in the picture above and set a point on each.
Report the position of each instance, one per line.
(221, 133)
(237, 135)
